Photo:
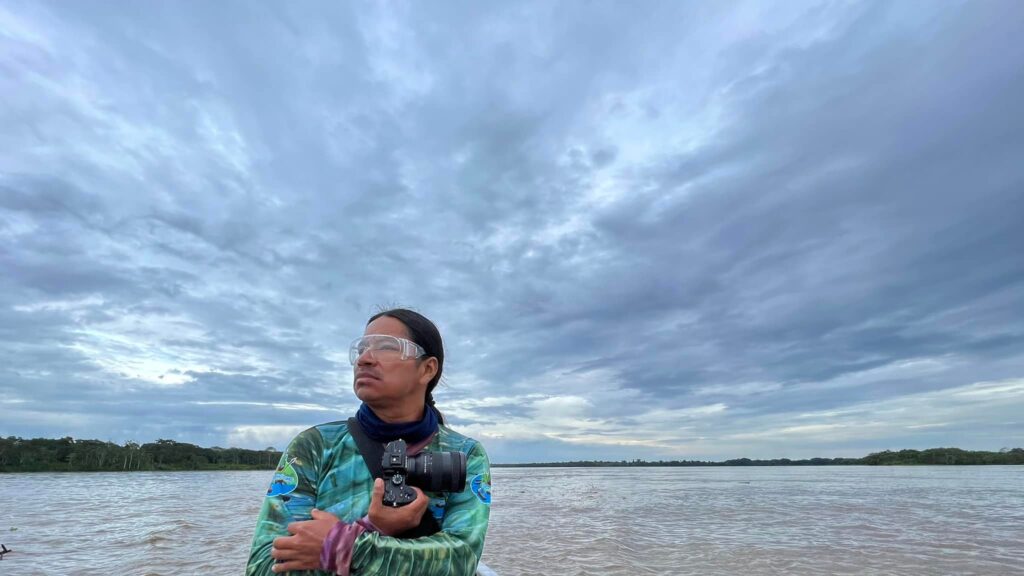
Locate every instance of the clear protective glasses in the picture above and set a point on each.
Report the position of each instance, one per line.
(384, 348)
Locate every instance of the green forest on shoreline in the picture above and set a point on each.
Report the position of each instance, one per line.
(68, 454)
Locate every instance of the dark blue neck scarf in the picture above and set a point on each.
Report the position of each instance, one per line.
(411, 432)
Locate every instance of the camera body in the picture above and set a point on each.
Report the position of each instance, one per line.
(433, 471)
(395, 463)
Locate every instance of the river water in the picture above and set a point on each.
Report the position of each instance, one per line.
(772, 520)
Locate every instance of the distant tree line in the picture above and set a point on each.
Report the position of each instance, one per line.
(68, 454)
(931, 456)
(945, 456)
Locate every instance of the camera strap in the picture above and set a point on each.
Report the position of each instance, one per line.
(372, 453)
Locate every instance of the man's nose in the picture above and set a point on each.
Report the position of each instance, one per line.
(366, 358)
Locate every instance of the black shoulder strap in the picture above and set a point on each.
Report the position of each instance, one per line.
(372, 453)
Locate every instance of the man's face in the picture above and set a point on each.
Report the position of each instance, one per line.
(391, 382)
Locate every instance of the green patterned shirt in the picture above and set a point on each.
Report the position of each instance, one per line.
(323, 469)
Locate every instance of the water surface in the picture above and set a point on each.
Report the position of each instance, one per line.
(607, 521)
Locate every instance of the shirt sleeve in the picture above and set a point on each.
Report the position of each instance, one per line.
(290, 498)
(454, 551)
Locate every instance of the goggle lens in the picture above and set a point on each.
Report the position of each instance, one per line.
(383, 348)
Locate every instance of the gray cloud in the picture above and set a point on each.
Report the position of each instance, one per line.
(688, 225)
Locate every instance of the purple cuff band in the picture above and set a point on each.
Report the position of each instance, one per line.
(327, 551)
(367, 524)
(336, 554)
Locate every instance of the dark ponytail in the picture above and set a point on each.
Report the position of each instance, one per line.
(423, 332)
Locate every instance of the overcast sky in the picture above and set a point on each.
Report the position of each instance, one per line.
(683, 230)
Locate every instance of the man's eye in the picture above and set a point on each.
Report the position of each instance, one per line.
(389, 346)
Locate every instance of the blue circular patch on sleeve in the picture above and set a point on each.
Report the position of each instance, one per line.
(286, 480)
(481, 486)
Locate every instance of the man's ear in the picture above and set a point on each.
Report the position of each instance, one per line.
(428, 369)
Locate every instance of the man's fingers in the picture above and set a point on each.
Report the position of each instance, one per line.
(291, 565)
(421, 501)
(282, 553)
(284, 542)
(377, 496)
(323, 515)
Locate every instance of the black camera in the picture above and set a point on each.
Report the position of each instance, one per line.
(428, 471)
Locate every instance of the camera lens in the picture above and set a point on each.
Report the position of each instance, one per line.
(438, 471)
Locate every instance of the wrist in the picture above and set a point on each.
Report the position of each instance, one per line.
(368, 525)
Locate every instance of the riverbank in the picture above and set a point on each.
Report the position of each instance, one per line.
(70, 455)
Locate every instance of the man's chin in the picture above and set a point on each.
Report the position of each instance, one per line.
(364, 391)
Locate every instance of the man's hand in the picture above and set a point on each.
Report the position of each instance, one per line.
(392, 521)
(301, 551)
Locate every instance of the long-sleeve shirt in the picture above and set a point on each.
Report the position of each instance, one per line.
(322, 468)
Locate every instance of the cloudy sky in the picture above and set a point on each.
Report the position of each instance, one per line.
(695, 230)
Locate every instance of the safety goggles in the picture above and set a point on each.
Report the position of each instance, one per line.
(384, 348)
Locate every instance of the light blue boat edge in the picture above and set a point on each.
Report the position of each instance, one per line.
(483, 570)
